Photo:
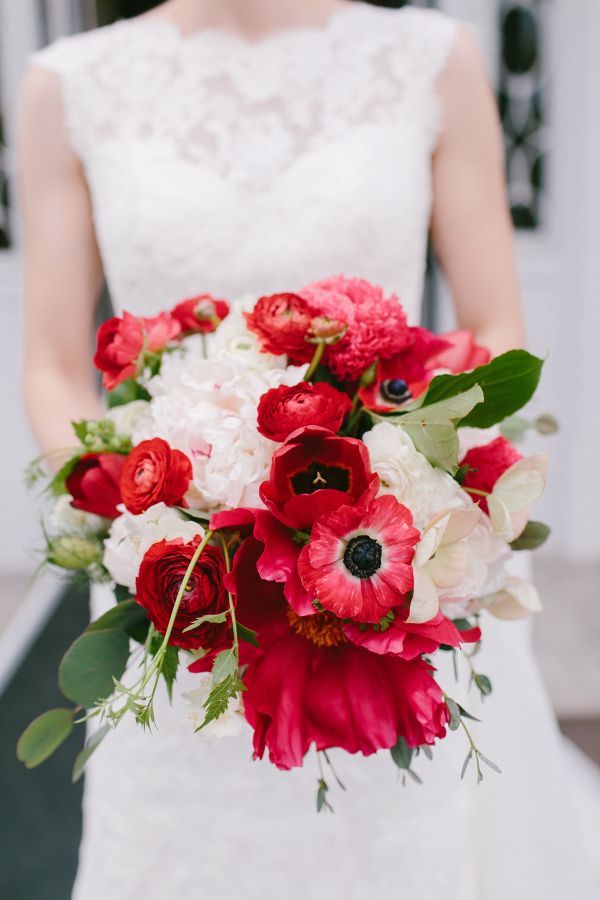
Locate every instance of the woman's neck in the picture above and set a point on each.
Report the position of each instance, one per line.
(252, 18)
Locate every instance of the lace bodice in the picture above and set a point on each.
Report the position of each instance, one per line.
(233, 167)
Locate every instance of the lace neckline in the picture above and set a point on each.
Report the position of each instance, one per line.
(162, 25)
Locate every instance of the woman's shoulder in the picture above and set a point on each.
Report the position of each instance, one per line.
(77, 52)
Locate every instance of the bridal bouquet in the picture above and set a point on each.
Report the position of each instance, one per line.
(304, 500)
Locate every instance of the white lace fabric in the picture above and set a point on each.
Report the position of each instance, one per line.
(242, 167)
(215, 165)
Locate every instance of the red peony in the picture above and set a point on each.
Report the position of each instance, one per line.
(283, 410)
(358, 560)
(486, 464)
(293, 699)
(315, 472)
(94, 483)
(200, 315)
(154, 473)
(160, 577)
(377, 326)
(282, 323)
(410, 640)
(122, 343)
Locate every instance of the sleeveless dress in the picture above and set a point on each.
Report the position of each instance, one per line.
(222, 166)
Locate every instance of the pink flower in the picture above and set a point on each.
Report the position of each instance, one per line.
(409, 640)
(358, 560)
(377, 326)
(486, 464)
(293, 699)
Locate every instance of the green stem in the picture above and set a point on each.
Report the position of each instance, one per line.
(236, 643)
(476, 491)
(316, 360)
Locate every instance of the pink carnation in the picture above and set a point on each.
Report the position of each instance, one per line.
(377, 326)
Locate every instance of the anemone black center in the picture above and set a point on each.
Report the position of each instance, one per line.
(395, 390)
(318, 476)
(363, 556)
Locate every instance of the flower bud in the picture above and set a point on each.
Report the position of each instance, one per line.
(74, 553)
(326, 331)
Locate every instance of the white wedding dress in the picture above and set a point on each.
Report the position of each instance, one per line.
(222, 166)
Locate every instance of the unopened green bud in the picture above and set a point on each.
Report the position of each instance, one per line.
(74, 553)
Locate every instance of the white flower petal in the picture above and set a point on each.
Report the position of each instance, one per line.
(425, 602)
(523, 483)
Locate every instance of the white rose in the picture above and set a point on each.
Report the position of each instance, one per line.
(207, 409)
(230, 724)
(128, 417)
(65, 519)
(130, 538)
(409, 476)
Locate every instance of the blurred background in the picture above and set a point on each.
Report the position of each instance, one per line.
(543, 61)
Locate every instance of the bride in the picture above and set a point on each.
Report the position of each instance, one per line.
(237, 146)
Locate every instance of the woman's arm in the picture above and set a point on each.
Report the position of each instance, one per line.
(471, 227)
(63, 271)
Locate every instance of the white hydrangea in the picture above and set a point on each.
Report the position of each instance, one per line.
(409, 476)
(207, 409)
(130, 538)
(65, 519)
(127, 417)
(230, 724)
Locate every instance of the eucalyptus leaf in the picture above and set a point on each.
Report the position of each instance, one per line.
(92, 744)
(484, 684)
(125, 616)
(454, 710)
(43, 736)
(488, 762)
(89, 666)
(402, 754)
(508, 382)
(533, 536)
(432, 428)
(466, 764)
(467, 715)
(514, 428)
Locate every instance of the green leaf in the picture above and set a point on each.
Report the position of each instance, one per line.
(225, 666)
(454, 710)
(58, 484)
(121, 593)
(467, 715)
(514, 428)
(402, 754)
(534, 535)
(88, 667)
(218, 699)
(126, 616)
(468, 758)
(126, 392)
(246, 634)
(508, 382)
(322, 801)
(169, 668)
(43, 736)
(488, 762)
(82, 757)
(484, 684)
(433, 427)
(214, 618)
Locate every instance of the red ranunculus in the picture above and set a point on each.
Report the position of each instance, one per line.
(94, 483)
(358, 560)
(282, 323)
(200, 315)
(408, 639)
(154, 473)
(283, 410)
(315, 472)
(160, 577)
(122, 343)
(485, 466)
(293, 699)
(376, 323)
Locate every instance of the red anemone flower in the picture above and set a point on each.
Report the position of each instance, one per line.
(307, 685)
(409, 640)
(316, 472)
(358, 560)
